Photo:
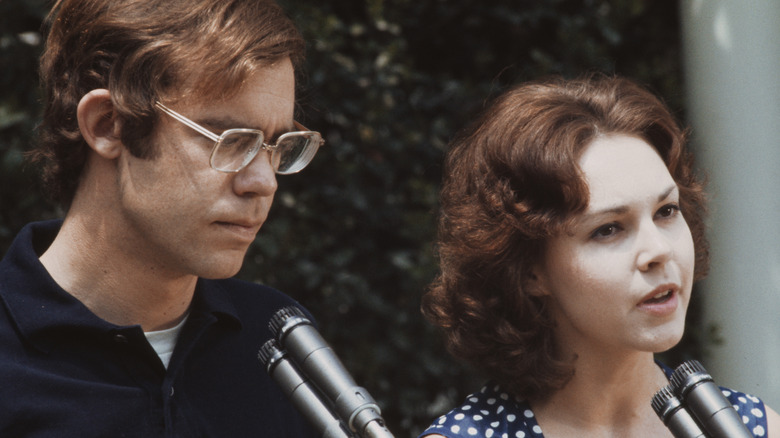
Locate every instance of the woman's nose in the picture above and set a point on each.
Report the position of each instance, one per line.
(653, 247)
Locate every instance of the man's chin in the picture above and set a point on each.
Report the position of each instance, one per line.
(222, 268)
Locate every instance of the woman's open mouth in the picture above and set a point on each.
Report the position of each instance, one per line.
(660, 297)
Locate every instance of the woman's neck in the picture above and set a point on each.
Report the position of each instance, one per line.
(608, 396)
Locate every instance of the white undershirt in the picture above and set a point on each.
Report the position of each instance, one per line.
(164, 341)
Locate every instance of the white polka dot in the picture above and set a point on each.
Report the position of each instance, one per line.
(465, 407)
(500, 409)
(510, 418)
(473, 399)
(504, 396)
(491, 401)
(759, 431)
(745, 419)
(484, 412)
(460, 416)
(754, 399)
(537, 429)
(442, 419)
(477, 417)
(742, 399)
(489, 433)
(528, 413)
(757, 412)
(455, 429)
(726, 392)
(494, 424)
(520, 434)
(471, 431)
(504, 436)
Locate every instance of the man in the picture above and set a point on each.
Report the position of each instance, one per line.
(166, 123)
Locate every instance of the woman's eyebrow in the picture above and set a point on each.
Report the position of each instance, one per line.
(667, 192)
(620, 209)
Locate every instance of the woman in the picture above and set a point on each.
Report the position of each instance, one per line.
(571, 233)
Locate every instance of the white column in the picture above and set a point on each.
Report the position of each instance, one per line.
(732, 62)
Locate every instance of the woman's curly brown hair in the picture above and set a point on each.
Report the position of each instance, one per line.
(511, 182)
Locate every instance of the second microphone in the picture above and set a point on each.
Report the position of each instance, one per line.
(316, 359)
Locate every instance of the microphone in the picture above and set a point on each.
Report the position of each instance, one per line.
(297, 389)
(674, 415)
(706, 402)
(316, 359)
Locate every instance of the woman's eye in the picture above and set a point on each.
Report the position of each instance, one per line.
(668, 210)
(605, 231)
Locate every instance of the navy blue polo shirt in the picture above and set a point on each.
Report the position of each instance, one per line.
(64, 372)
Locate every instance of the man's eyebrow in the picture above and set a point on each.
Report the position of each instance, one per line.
(222, 123)
(227, 122)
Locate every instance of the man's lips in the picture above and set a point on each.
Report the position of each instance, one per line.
(241, 223)
(247, 230)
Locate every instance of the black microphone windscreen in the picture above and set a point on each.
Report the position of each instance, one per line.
(705, 401)
(674, 416)
(303, 396)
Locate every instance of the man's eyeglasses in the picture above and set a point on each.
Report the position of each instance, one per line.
(234, 149)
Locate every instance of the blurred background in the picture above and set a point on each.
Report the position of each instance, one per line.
(389, 82)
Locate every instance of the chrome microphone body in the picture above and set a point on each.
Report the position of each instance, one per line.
(316, 359)
(673, 414)
(302, 395)
(705, 401)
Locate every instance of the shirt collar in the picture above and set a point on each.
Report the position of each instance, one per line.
(38, 305)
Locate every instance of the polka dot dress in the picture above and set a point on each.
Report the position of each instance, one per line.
(494, 413)
(489, 413)
(751, 409)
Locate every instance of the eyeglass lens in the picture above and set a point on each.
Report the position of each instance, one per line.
(291, 154)
(235, 150)
(294, 152)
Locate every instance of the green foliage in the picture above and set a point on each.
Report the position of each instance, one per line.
(388, 83)
(20, 108)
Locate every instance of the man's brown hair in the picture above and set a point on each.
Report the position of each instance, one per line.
(143, 51)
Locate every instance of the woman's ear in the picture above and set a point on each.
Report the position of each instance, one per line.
(535, 283)
(98, 123)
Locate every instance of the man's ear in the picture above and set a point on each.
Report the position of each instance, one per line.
(98, 123)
